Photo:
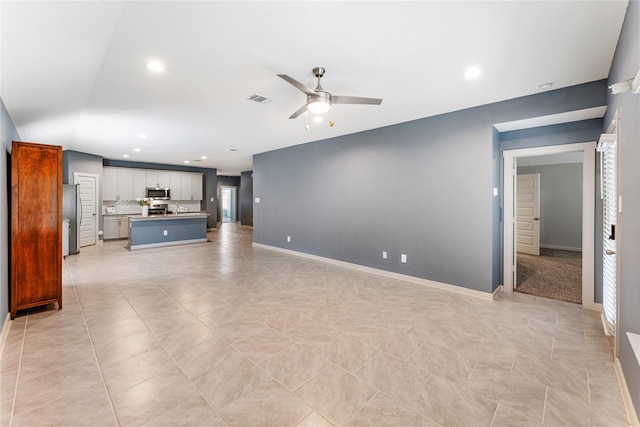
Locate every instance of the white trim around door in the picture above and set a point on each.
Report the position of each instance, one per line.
(96, 194)
(588, 213)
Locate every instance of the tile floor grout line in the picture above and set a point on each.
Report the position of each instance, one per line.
(495, 413)
(15, 388)
(544, 407)
(93, 349)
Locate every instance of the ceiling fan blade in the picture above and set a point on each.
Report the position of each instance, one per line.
(299, 112)
(297, 84)
(336, 99)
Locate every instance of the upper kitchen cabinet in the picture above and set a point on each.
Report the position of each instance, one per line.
(158, 179)
(189, 188)
(139, 183)
(174, 185)
(109, 184)
(196, 186)
(123, 183)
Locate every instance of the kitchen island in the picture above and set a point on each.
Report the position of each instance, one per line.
(166, 230)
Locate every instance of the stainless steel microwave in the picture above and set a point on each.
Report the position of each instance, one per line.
(159, 193)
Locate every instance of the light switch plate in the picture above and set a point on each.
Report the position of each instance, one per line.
(257, 199)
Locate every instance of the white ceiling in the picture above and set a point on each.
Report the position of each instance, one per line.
(73, 73)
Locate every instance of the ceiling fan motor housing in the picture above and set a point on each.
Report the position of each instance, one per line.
(319, 103)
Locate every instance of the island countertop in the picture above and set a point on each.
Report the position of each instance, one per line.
(181, 215)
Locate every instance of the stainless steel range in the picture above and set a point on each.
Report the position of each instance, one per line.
(158, 207)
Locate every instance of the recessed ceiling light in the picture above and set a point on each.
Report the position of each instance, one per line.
(203, 157)
(155, 66)
(187, 161)
(137, 150)
(231, 149)
(142, 135)
(472, 73)
(125, 155)
(546, 85)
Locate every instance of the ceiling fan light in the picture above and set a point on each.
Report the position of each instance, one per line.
(318, 106)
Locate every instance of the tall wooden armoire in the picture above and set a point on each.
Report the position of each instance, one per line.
(36, 225)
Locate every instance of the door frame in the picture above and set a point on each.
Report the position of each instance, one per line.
(96, 207)
(588, 213)
(235, 202)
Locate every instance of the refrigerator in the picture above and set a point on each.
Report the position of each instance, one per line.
(72, 210)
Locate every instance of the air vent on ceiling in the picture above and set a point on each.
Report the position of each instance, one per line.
(259, 99)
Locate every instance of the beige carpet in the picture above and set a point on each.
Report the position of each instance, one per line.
(554, 274)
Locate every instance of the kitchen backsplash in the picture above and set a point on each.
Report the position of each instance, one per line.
(131, 207)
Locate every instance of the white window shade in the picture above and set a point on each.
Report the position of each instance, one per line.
(609, 218)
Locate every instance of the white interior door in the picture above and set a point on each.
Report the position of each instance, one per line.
(528, 214)
(89, 203)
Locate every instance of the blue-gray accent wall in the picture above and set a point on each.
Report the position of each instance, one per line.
(626, 64)
(422, 188)
(9, 134)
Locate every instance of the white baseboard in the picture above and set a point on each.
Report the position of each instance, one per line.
(433, 284)
(562, 248)
(5, 332)
(632, 416)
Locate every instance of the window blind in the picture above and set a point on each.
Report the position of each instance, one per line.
(609, 215)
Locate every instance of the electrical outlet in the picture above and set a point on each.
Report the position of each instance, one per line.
(403, 258)
(384, 254)
(212, 199)
(165, 232)
(289, 239)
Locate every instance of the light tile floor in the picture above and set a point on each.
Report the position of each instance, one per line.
(224, 334)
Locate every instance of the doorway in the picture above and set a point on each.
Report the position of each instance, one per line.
(88, 187)
(588, 213)
(549, 226)
(229, 203)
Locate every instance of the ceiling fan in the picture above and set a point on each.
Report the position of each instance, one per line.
(319, 101)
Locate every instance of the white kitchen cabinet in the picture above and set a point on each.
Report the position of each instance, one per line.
(115, 227)
(174, 185)
(151, 178)
(111, 227)
(196, 186)
(185, 186)
(123, 227)
(125, 184)
(164, 179)
(159, 179)
(139, 183)
(109, 184)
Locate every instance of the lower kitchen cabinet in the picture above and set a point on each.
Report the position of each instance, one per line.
(115, 227)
